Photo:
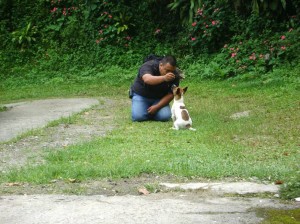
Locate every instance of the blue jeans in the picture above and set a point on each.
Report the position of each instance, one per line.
(139, 108)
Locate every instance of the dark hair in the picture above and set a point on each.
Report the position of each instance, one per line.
(169, 59)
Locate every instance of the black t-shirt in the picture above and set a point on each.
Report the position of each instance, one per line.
(152, 91)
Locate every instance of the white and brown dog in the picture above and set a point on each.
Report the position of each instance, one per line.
(180, 115)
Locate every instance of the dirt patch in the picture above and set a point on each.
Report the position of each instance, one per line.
(106, 187)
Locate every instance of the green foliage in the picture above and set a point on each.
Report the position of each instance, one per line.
(268, 8)
(187, 9)
(114, 23)
(69, 24)
(63, 37)
(208, 27)
(262, 54)
(25, 37)
(291, 189)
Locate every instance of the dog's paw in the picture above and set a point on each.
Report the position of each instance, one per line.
(192, 129)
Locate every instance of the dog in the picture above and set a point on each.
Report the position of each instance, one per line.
(180, 115)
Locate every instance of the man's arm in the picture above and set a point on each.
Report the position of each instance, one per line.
(155, 80)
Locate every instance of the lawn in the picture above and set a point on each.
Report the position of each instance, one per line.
(263, 144)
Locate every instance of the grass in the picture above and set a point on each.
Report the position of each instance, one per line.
(264, 144)
(273, 216)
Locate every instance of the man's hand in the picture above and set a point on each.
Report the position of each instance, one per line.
(169, 77)
(153, 109)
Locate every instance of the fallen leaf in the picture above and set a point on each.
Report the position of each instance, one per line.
(71, 180)
(278, 182)
(14, 184)
(144, 191)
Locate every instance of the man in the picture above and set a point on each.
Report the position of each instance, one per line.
(152, 89)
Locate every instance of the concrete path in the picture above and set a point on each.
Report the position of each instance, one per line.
(22, 117)
(49, 209)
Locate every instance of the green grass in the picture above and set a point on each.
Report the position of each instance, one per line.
(264, 145)
(273, 216)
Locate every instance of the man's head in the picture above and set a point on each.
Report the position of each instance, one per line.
(167, 64)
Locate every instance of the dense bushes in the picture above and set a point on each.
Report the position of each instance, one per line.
(221, 39)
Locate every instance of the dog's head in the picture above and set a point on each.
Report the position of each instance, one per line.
(178, 92)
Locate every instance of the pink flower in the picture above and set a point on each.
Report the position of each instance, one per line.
(200, 12)
(233, 55)
(53, 10)
(110, 16)
(157, 31)
(194, 23)
(283, 48)
(193, 38)
(282, 37)
(213, 23)
(225, 46)
(252, 57)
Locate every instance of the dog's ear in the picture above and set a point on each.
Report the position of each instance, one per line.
(185, 89)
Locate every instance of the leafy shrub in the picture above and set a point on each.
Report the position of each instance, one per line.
(209, 26)
(114, 23)
(260, 55)
(25, 37)
(91, 35)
